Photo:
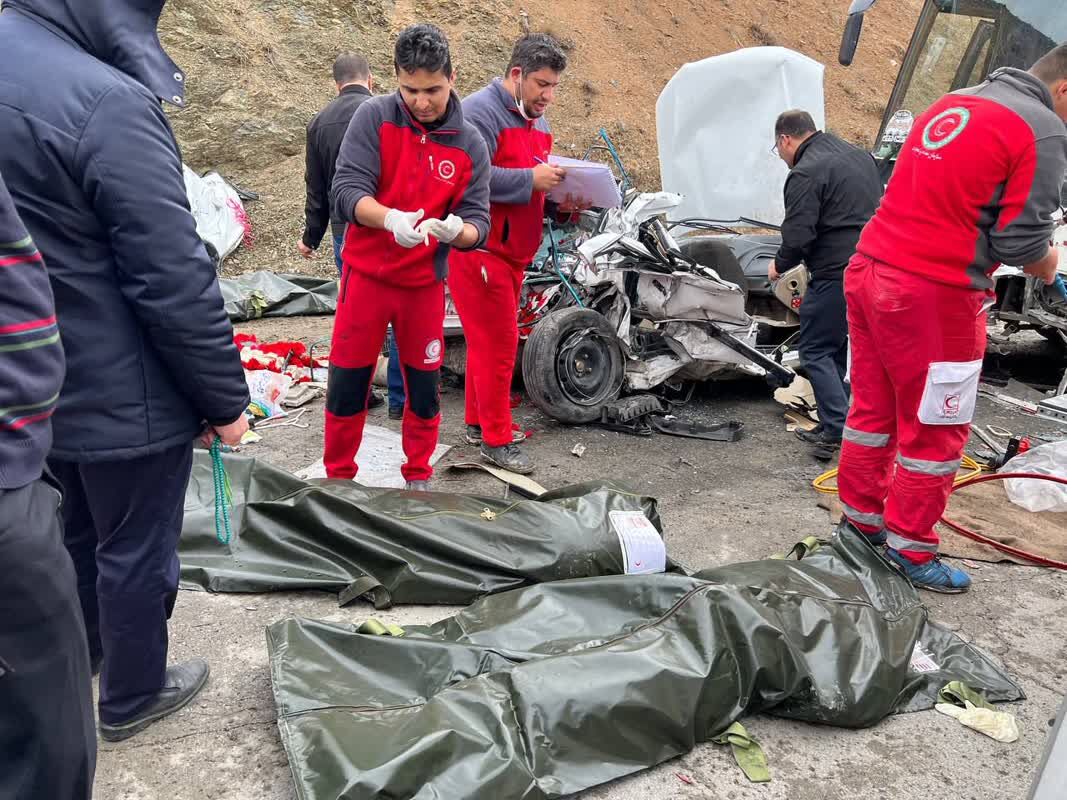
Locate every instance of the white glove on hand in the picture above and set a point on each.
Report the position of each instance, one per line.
(443, 230)
(402, 225)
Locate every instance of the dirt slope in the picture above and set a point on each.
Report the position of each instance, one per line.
(259, 69)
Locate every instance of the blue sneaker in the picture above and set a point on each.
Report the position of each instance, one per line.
(936, 575)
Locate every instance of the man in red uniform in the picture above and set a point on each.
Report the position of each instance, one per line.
(976, 184)
(412, 180)
(485, 284)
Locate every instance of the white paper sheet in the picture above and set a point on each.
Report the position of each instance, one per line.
(588, 180)
(381, 454)
(642, 546)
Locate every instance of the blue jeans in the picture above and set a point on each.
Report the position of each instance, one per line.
(396, 375)
(824, 350)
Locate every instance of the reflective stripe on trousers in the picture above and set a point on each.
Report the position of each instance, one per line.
(893, 465)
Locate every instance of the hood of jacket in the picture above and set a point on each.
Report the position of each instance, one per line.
(121, 33)
(1022, 81)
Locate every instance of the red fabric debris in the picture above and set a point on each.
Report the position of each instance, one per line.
(271, 356)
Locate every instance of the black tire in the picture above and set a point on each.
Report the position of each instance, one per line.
(573, 365)
(711, 253)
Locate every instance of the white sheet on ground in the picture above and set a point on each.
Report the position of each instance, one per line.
(380, 456)
(715, 126)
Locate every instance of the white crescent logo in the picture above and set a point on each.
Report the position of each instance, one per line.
(447, 170)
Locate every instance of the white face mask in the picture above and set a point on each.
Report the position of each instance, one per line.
(518, 100)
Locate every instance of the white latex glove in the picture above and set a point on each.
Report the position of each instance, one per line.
(443, 230)
(402, 225)
(997, 725)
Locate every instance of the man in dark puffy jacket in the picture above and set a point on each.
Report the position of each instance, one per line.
(832, 190)
(47, 741)
(94, 171)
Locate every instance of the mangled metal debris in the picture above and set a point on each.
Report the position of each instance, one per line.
(635, 314)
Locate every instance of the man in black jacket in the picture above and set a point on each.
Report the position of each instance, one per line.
(94, 172)
(832, 191)
(352, 75)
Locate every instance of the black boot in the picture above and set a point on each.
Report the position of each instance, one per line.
(509, 457)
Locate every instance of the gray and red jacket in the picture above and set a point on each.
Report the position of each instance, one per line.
(388, 155)
(976, 184)
(516, 146)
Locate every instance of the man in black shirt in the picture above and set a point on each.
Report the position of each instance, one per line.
(351, 73)
(832, 191)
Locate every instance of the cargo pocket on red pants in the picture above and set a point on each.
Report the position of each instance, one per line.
(951, 393)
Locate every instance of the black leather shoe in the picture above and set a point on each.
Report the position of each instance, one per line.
(183, 682)
(509, 457)
(396, 412)
(818, 437)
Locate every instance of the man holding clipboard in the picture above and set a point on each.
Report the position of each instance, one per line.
(485, 283)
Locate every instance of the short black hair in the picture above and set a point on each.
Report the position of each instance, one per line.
(1052, 66)
(350, 66)
(422, 46)
(537, 51)
(794, 123)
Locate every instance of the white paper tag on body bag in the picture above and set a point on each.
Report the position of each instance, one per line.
(951, 393)
(642, 546)
(921, 660)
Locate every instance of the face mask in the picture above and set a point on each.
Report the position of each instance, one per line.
(518, 101)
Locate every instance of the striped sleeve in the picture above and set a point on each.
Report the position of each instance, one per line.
(31, 355)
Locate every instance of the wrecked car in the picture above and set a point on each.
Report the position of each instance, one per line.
(626, 310)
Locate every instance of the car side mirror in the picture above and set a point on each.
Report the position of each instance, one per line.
(850, 39)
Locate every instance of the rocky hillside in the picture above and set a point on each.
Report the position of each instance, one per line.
(259, 69)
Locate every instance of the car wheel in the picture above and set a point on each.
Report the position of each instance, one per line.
(573, 365)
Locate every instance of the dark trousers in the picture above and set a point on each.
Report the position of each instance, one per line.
(824, 350)
(395, 375)
(122, 522)
(47, 730)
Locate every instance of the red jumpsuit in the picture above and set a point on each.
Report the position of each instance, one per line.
(388, 155)
(485, 284)
(975, 185)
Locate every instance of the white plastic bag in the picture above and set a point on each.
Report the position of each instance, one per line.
(267, 390)
(1049, 459)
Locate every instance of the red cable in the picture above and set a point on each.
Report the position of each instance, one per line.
(1004, 548)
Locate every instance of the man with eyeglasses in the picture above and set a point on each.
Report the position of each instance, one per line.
(832, 191)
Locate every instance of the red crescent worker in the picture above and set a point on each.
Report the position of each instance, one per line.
(485, 284)
(413, 179)
(976, 184)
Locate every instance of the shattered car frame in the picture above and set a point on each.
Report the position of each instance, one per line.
(627, 310)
